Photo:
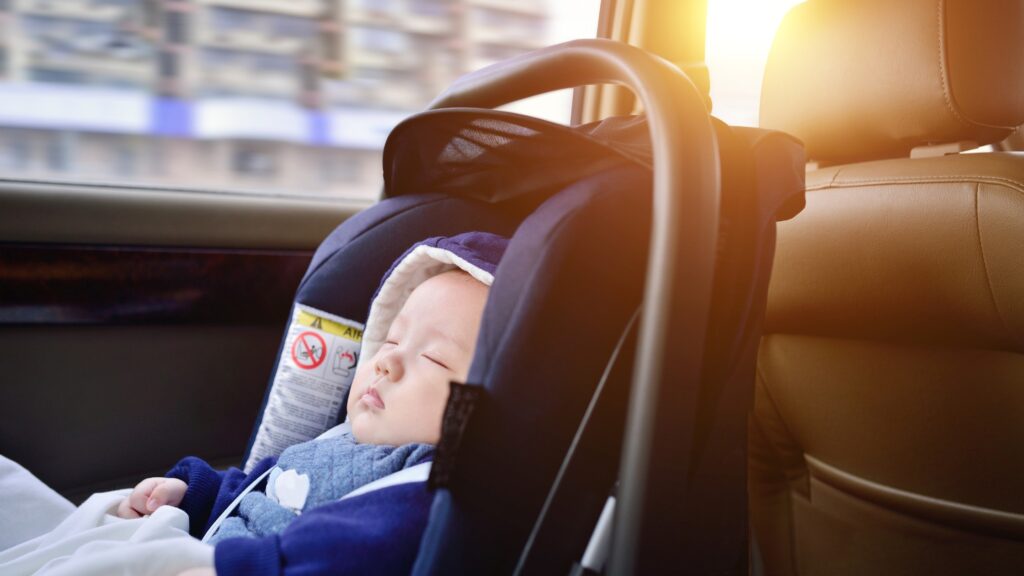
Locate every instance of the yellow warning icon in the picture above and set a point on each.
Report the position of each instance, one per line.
(304, 318)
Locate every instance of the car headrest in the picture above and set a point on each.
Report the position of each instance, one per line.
(868, 79)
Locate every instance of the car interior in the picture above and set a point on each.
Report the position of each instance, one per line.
(797, 343)
(883, 430)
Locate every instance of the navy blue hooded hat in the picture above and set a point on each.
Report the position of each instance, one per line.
(476, 253)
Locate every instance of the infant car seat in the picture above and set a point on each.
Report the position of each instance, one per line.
(530, 447)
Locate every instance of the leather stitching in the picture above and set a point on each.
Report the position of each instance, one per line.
(984, 267)
(835, 176)
(1016, 185)
(946, 92)
(942, 66)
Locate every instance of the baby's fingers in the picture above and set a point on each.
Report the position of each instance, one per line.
(141, 493)
(169, 492)
(124, 510)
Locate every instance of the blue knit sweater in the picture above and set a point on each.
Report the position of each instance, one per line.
(377, 532)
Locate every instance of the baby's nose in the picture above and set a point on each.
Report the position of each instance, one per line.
(389, 365)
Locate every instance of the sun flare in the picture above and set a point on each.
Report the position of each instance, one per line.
(739, 35)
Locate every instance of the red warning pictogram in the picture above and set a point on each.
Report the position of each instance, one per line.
(309, 350)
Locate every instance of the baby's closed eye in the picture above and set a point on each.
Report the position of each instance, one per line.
(436, 359)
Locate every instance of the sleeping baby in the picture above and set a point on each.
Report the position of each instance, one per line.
(304, 511)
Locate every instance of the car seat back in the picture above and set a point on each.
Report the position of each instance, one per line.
(762, 183)
(886, 436)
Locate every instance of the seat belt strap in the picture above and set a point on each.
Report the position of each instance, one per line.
(234, 504)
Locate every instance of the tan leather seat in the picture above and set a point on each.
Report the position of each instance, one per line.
(888, 433)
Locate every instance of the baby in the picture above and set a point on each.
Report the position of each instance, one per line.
(399, 395)
(420, 336)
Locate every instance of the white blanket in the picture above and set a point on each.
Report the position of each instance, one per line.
(42, 533)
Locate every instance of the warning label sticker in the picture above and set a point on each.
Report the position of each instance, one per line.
(308, 350)
(317, 365)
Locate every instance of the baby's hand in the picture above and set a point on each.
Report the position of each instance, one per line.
(151, 494)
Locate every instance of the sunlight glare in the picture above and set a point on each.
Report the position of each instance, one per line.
(739, 35)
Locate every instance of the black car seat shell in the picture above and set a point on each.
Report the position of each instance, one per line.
(886, 437)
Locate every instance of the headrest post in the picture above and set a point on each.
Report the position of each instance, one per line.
(934, 150)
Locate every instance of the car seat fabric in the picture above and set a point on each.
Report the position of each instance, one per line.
(497, 156)
(565, 289)
(475, 253)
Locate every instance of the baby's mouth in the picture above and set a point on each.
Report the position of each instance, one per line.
(372, 399)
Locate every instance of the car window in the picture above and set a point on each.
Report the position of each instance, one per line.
(267, 96)
(739, 35)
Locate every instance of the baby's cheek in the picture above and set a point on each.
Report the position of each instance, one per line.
(361, 427)
(425, 421)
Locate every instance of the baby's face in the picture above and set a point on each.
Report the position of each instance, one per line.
(398, 396)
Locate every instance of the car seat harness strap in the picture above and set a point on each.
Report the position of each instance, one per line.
(462, 401)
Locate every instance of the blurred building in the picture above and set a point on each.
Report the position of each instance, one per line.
(292, 95)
